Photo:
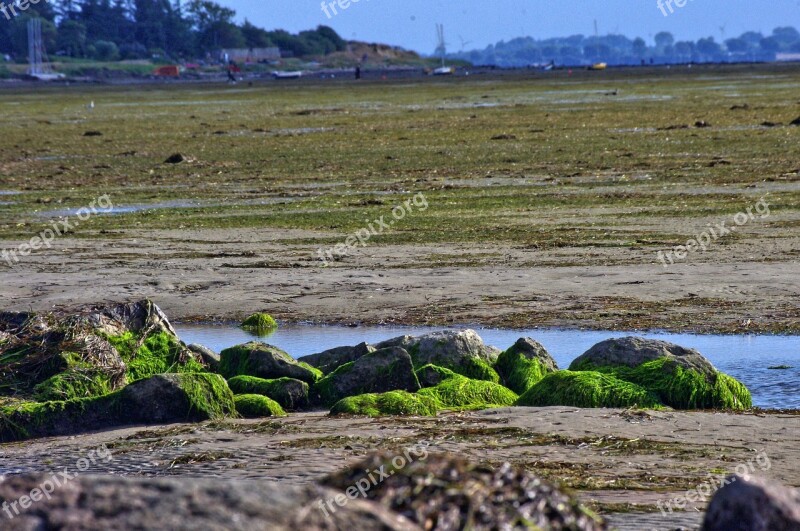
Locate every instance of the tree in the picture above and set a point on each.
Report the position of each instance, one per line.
(770, 45)
(737, 45)
(215, 27)
(72, 38)
(106, 51)
(786, 35)
(639, 48)
(254, 36)
(664, 39)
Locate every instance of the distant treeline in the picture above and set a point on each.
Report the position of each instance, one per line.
(618, 49)
(142, 29)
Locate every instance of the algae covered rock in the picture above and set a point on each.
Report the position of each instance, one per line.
(291, 394)
(440, 491)
(260, 323)
(257, 406)
(264, 361)
(187, 397)
(682, 378)
(432, 375)
(384, 370)
(330, 360)
(384, 404)
(209, 358)
(524, 365)
(460, 351)
(587, 389)
(460, 392)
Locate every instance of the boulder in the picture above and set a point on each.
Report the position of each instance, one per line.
(682, 378)
(460, 351)
(439, 491)
(388, 369)
(587, 389)
(460, 392)
(291, 394)
(264, 361)
(330, 360)
(209, 358)
(384, 404)
(753, 504)
(257, 406)
(524, 365)
(431, 375)
(113, 503)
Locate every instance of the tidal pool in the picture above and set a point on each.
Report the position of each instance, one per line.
(747, 358)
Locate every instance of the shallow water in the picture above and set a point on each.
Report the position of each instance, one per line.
(747, 358)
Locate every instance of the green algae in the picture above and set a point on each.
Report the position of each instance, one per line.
(262, 324)
(432, 375)
(253, 406)
(385, 404)
(464, 393)
(264, 361)
(587, 389)
(288, 392)
(471, 367)
(683, 388)
(518, 372)
(159, 353)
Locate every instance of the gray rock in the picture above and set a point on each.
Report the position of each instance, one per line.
(330, 360)
(111, 503)
(388, 369)
(209, 358)
(264, 361)
(753, 504)
(404, 342)
(167, 398)
(533, 350)
(634, 351)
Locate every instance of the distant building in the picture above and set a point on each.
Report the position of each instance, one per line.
(250, 55)
(787, 57)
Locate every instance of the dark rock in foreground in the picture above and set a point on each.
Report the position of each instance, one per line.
(111, 503)
(443, 492)
(753, 504)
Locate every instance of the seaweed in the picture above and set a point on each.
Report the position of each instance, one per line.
(518, 372)
(587, 389)
(253, 406)
(261, 324)
(288, 392)
(383, 404)
(464, 393)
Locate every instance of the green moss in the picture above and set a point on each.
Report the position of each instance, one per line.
(73, 384)
(473, 367)
(391, 403)
(518, 372)
(209, 396)
(463, 393)
(159, 354)
(25, 420)
(288, 392)
(257, 406)
(325, 388)
(432, 375)
(261, 323)
(587, 389)
(318, 374)
(683, 388)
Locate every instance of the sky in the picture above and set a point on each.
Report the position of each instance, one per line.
(471, 24)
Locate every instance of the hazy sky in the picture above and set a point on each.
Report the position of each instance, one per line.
(411, 23)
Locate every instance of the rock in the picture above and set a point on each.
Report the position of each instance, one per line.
(586, 389)
(261, 324)
(384, 404)
(291, 394)
(461, 392)
(444, 492)
(753, 504)
(209, 358)
(96, 503)
(432, 375)
(388, 369)
(175, 158)
(682, 378)
(524, 365)
(796, 121)
(264, 361)
(460, 351)
(330, 360)
(257, 406)
(166, 398)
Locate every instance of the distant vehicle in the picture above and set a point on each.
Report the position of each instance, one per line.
(444, 71)
(287, 75)
(599, 66)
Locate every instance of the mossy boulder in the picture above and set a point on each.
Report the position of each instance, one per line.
(459, 392)
(260, 323)
(188, 397)
(330, 360)
(257, 406)
(384, 370)
(291, 394)
(432, 375)
(524, 365)
(460, 351)
(208, 357)
(264, 361)
(587, 389)
(681, 378)
(384, 404)
(156, 353)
